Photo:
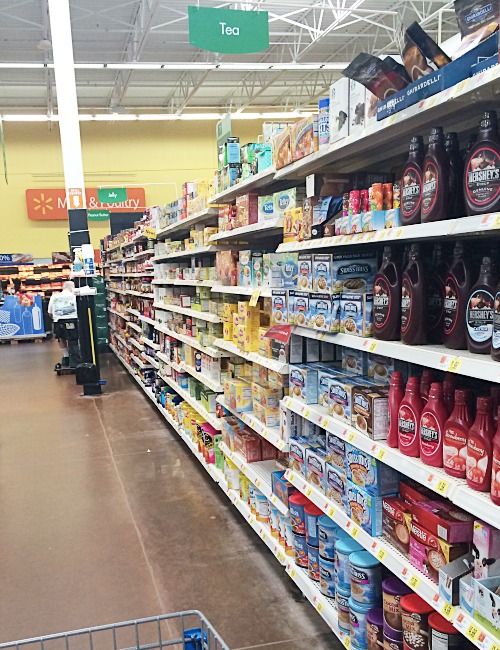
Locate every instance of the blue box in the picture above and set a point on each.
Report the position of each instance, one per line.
(364, 509)
(370, 474)
(439, 80)
(486, 64)
(281, 487)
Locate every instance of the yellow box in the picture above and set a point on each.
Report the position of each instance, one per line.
(227, 331)
(259, 374)
(247, 314)
(277, 380)
(240, 395)
(266, 397)
(228, 310)
(264, 344)
(270, 417)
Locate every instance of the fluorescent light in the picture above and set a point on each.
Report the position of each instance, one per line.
(181, 67)
(158, 117)
(28, 118)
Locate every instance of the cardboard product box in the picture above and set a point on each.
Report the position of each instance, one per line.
(487, 603)
(444, 519)
(257, 263)
(324, 378)
(208, 400)
(264, 344)
(260, 375)
(466, 594)
(428, 552)
(305, 272)
(297, 453)
(282, 151)
(370, 407)
(335, 484)
(380, 368)
(277, 380)
(230, 425)
(412, 492)
(364, 509)
(486, 550)
(316, 467)
(304, 383)
(288, 200)
(304, 137)
(248, 315)
(353, 273)
(370, 474)
(371, 101)
(245, 268)
(311, 209)
(322, 272)
(335, 448)
(289, 270)
(340, 399)
(247, 445)
(265, 207)
(356, 314)
(279, 313)
(298, 308)
(272, 270)
(282, 488)
(226, 263)
(396, 522)
(311, 350)
(357, 100)
(269, 416)
(240, 395)
(354, 362)
(320, 312)
(373, 220)
(339, 109)
(266, 397)
(290, 423)
(450, 576)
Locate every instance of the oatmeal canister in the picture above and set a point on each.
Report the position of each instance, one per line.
(366, 578)
(343, 549)
(443, 635)
(296, 504)
(357, 617)
(414, 613)
(393, 589)
(375, 628)
(342, 599)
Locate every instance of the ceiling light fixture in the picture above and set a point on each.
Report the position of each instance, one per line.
(182, 67)
(159, 117)
(45, 45)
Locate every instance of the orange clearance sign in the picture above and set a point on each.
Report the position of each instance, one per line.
(51, 205)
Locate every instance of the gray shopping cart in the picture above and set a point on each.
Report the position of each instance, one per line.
(188, 630)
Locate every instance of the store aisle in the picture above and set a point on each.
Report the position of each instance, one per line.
(106, 516)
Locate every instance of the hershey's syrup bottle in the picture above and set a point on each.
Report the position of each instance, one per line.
(456, 196)
(435, 296)
(456, 295)
(436, 174)
(482, 169)
(411, 183)
(480, 310)
(386, 311)
(413, 300)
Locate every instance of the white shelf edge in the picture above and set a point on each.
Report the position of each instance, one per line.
(255, 181)
(150, 344)
(249, 231)
(200, 315)
(185, 283)
(265, 292)
(206, 214)
(185, 253)
(184, 367)
(113, 311)
(188, 340)
(271, 364)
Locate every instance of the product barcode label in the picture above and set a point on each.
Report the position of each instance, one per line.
(331, 512)
(455, 364)
(381, 554)
(472, 632)
(447, 611)
(381, 454)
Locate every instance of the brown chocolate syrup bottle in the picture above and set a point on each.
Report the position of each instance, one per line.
(436, 175)
(495, 339)
(456, 197)
(482, 169)
(435, 297)
(456, 295)
(414, 300)
(411, 183)
(386, 311)
(480, 310)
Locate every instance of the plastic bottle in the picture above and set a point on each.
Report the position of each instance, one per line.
(425, 383)
(386, 313)
(431, 430)
(396, 394)
(495, 337)
(456, 196)
(409, 413)
(456, 431)
(449, 385)
(411, 183)
(435, 296)
(480, 447)
(456, 295)
(436, 179)
(495, 466)
(482, 169)
(495, 400)
(479, 316)
(413, 300)
(470, 143)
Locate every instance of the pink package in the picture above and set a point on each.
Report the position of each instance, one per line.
(445, 520)
(486, 550)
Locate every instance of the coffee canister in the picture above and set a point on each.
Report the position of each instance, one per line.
(344, 548)
(375, 628)
(343, 613)
(311, 515)
(366, 577)
(414, 615)
(393, 589)
(300, 548)
(357, 617)
(313, 562)
(296, 503)
(327, 577)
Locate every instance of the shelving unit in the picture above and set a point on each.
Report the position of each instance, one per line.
(201, 315)
(261, 229)
(135, 327)
(271, 364)
(271, 434)
(186, 283)
(202, 250)
(189, 340)
(118, 313)
(255, 182)
(264, 292)
(185, 224)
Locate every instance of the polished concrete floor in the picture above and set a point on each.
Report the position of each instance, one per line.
(106, 516)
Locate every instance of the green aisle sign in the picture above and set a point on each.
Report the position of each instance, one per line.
(111, 194)
(228, 31)
(98, 215)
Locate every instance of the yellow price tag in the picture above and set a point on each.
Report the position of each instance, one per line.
(496, 224)
(447, 611)
(414, 582)
(347, 642)
(381, 454)
(292, 574)
(254, 299)
(281, 557)
(319, 607)
(331, 512)
(257, 483)
(455, 364)
(291, 476)
(442, 486)
(472, 632)
(307, 413)
(308, 492)
(372, 346)
(381, 554)
(354, 532)
(351, 437)
(398, 233)
(494, 646)
(150, 232)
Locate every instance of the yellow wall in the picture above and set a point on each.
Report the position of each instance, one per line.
(118, 153)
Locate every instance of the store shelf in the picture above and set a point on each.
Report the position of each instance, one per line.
(185, 224)
(189, 340)
(258, 180)
(135, 327)
(135, 343)
(134, 312)
(120, 291)
(484, 225)
(394, 561)
(261, 229)
(123, 341)
(201, 377)
(150, 344)
(264, 292)
(200, 315)
(435, 478)
(118, 313)
(146, 319)
(141, 363)
(140, 294)
(456, 109)
(186, 283)
(461, 362)
(271, 434)
(257, 473)
(202, 250)
(152, 362)
(209, 417)
(271, 364)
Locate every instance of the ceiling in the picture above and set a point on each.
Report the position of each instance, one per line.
(140, 31)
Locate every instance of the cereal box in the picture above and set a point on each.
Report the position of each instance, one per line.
(356, 314)
(369, 473)
(282, 152)
(322, 272)
(304, 383)
(279, 307)
(290, 270)
(335, 484)
(320, 312)
(287, 200)
(364, 509)
(370, 411)
(305, 272)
